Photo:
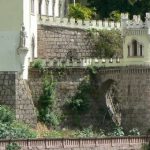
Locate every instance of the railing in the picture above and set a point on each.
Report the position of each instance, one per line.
(80, 143)
(72, 23)
(83, 62)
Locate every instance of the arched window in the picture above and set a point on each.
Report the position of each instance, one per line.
(134, 48)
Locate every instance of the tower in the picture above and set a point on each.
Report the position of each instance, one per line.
(136, 40)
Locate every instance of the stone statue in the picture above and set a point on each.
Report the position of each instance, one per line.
(23, 36)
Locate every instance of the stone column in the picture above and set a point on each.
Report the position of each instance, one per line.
(61, 9)
(66, 7)
(47, 7)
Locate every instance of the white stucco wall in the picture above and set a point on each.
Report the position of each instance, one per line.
(50, 8)
(142, 39)
(30, 22)
(11, 20)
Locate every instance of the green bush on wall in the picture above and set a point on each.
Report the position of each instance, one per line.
(38, 64)
(79, 104)
(108, 43)
(78, 11)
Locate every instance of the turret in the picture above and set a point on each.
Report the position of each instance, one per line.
(124, 19)
(147, 20)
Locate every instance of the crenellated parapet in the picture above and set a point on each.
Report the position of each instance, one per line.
(135, 26)
(135, 23)
(72, 23)
(85, 62)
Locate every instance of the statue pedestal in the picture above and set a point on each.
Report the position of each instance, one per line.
(22, 52)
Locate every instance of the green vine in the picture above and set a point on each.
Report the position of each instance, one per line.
(80, 103)
(47, 102)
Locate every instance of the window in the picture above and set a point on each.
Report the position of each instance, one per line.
(128, 50)
(141, 50)
(32, 6)
(134, 47)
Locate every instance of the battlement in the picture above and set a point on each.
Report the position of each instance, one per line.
(85, 62)
(72, 23)
(136, 22)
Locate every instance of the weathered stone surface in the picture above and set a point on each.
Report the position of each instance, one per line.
(55, 42)
(15, 93)
(133, 93)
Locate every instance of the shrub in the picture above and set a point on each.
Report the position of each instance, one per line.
(79, 104)
(46, 103)
(86, 132)
(53, 134)
(15, 131)
(13, 146)
(145, 147)
(78, 11)
(134, 131)
(38, 64)
(108, 42)
(115, 16)
(10, 129)
(21, 131)
(117, 131)
(6, 115)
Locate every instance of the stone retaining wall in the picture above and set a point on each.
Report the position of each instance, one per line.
(15, 93)
(25, 110)
(133, 88)
(57, 42)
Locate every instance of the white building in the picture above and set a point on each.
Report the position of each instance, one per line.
(15, 14)
(136, 35)
(18, 47)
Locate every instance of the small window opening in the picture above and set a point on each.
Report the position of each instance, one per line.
(32, 6)
(128, 50)
(141, 50)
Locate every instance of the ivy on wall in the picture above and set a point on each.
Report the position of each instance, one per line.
(79, 103)
(47, 102)
(108, 43)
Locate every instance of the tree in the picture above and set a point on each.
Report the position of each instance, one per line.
(105, 7)
(108, 43)
(80, 12)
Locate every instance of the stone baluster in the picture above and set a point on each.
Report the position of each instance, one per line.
(47, 8)
(53, 8)
(61, 9)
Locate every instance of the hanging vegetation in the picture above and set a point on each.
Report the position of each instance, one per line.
(108, 42)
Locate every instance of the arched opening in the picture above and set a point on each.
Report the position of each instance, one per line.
(134, 48)
(110, 96)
